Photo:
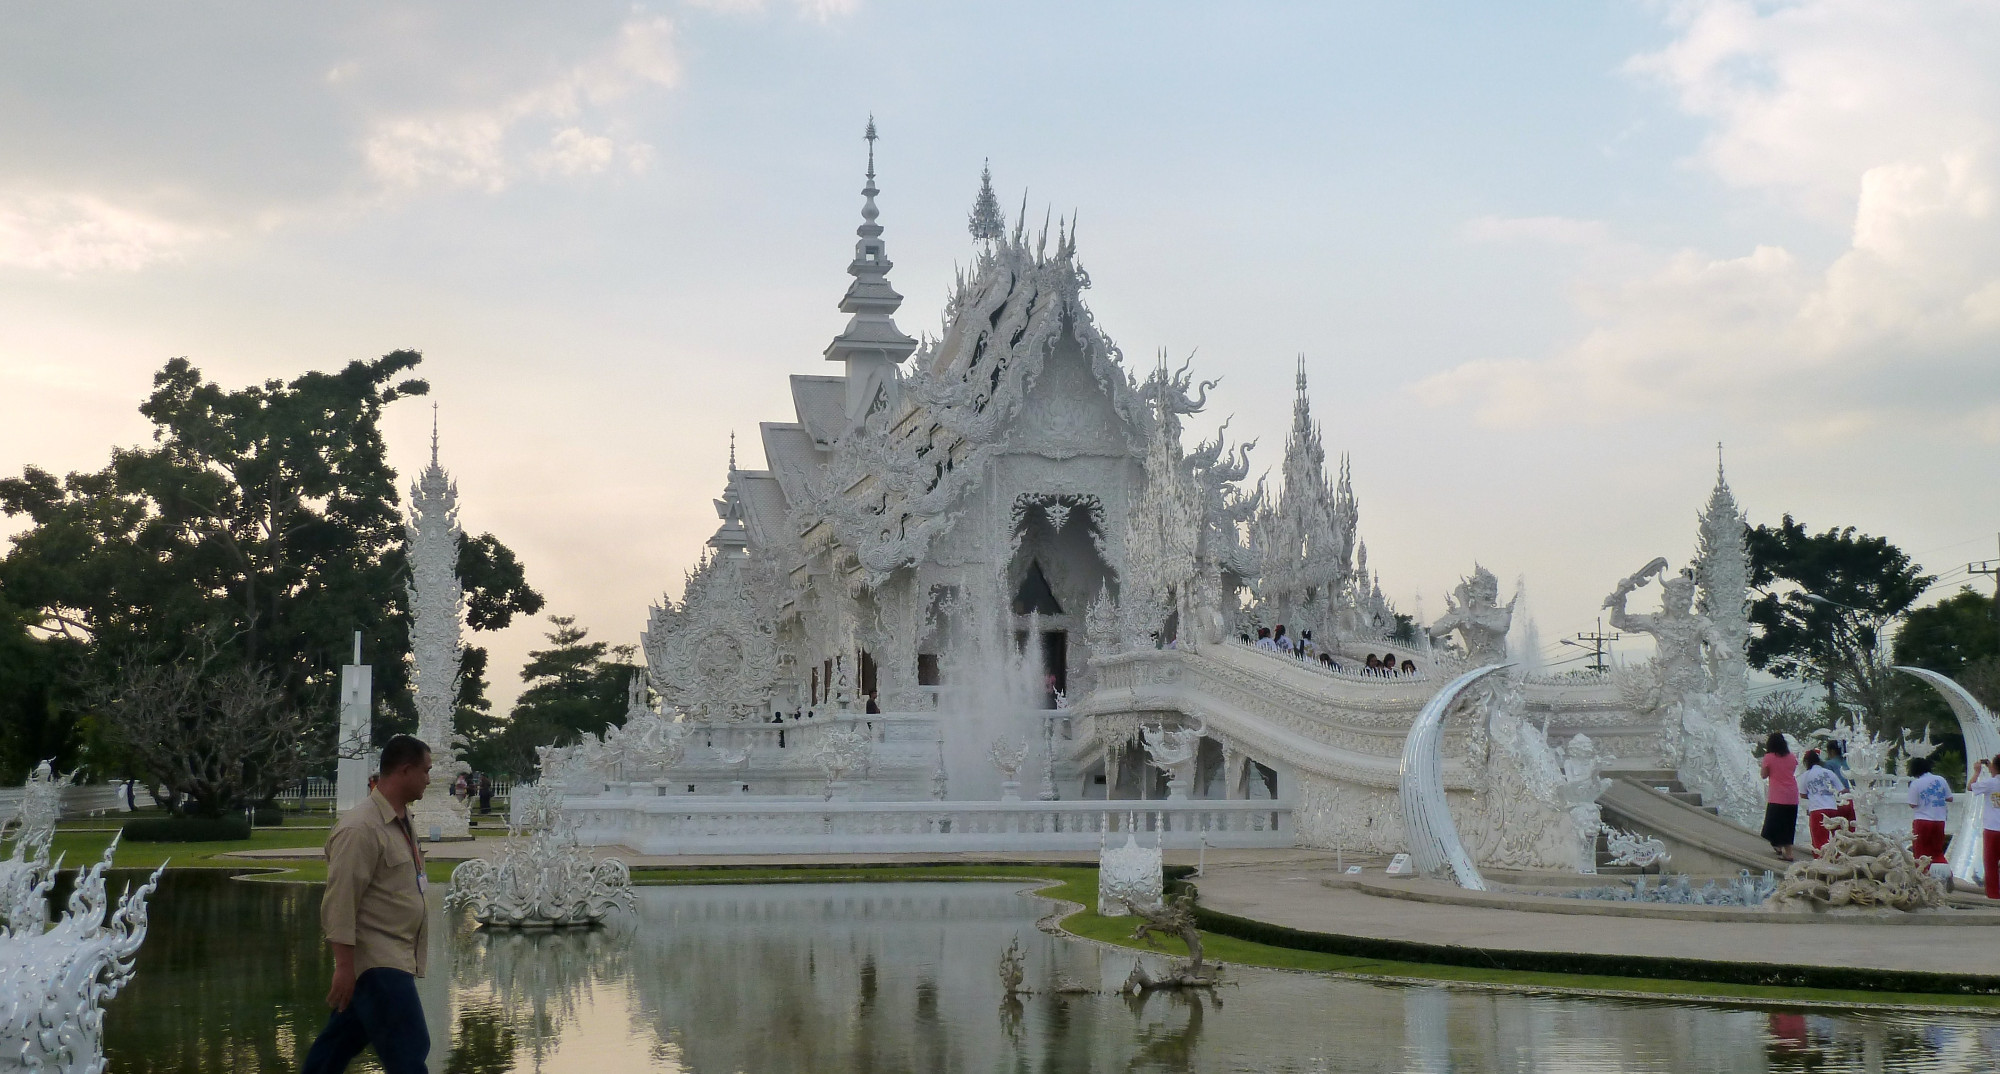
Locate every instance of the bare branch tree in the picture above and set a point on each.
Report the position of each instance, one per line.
(216, 737)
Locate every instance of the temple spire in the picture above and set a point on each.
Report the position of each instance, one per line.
(434, 435)
(871, 345)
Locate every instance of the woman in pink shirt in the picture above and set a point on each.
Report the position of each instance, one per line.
(1781, 795)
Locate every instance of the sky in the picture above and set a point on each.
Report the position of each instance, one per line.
(1540, 258)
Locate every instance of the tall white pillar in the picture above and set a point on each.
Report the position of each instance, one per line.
(355, 746)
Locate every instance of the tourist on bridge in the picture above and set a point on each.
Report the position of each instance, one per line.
(1264, 639)
(1930, 803)
(1283, 643)
(1821, 787)
(1986, 782)
(374, 918)
(1781, 795)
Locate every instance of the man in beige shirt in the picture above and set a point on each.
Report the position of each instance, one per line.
(374, 917)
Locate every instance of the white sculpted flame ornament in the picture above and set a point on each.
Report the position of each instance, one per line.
(541, 879)
(54, 983)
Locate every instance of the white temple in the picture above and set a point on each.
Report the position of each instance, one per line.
(991, 559)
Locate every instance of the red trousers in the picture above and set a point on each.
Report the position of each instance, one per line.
(1927, 840)
(1816, 822)
(1990, 854)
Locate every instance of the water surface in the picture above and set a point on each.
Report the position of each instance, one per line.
(842, 978)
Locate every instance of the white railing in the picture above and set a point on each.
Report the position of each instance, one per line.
(315, 789)
(716, 824)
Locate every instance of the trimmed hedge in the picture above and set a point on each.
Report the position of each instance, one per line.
(1600, 965)
(187, 829)
(268, 817)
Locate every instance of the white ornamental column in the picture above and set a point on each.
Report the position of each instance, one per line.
(437, 605)
(355, 747)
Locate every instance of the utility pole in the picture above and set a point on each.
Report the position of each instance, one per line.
(1992, 567)
(1598, 642)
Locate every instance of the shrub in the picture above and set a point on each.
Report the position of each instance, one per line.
(268, 817)
(187, 829)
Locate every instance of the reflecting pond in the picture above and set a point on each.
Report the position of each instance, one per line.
(901, 977)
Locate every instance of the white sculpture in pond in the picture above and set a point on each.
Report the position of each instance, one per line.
(541, 879)
(1128, 875)
(1679, 684)
(54, 982)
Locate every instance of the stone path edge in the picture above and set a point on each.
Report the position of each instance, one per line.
(1964, 912)
(1652, 967)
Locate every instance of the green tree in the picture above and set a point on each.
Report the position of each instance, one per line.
(264, 518)
(574, 685)
(1959, 637)
(1863, 584)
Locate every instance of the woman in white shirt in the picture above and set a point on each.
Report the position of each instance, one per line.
(1820, 786)
(1986, 781)
(1930, 800)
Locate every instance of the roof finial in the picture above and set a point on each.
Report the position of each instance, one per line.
(986, 223)
(732, 451)
(1302, 374)
(871, 148)
(1719, 479)
(434, 435)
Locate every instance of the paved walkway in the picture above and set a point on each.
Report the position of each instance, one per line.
(1294, 894)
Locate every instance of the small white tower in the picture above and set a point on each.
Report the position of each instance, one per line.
(437, 608)
(872, 346)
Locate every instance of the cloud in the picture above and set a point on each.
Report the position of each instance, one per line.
(1553, 230)
(537, 129)
(68, 234)
(1881, 118)
(820, 11)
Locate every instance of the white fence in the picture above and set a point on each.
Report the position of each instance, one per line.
(77, 801)
(718, 824)
(315, 790)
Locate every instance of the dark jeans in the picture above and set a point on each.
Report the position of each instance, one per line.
(385, 1013)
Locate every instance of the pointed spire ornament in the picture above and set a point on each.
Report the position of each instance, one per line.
(987, 223)
(871, 337)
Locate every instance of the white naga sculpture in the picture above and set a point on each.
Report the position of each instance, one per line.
(55, 981)
(1681, 685)
(1628, 848)
(1982, 740)
(1427, 823)
(540, 879)
(1128, 876)
(1475, 613)
(1175, 753)
(437, 607)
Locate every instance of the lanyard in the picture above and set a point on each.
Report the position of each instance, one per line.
(416, 856)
